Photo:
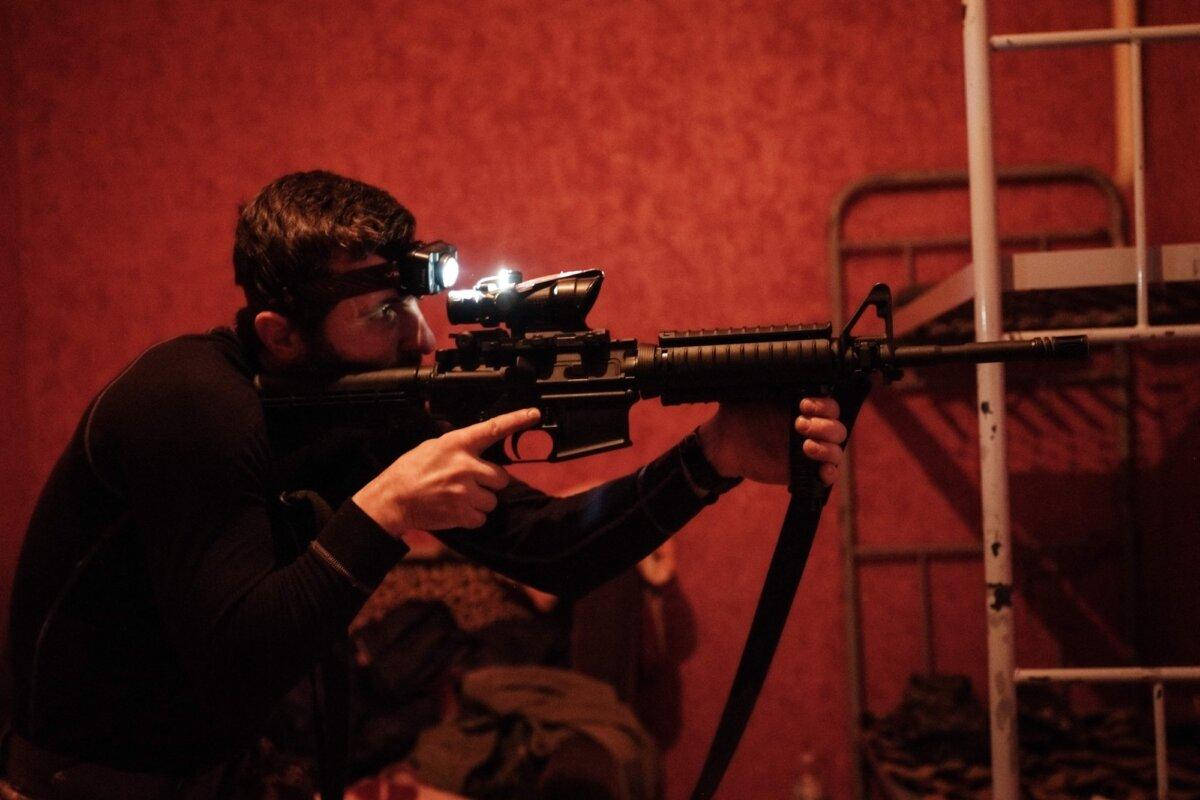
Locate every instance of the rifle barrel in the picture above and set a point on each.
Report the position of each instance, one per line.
(1036, 349)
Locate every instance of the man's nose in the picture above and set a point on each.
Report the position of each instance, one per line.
(426, 342)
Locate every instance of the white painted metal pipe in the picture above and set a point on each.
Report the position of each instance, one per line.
(1108, 675)
(1139, 184)
(993, 452)
(1124, 15)
(1026, 41)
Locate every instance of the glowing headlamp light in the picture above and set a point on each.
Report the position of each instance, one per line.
(432, 266)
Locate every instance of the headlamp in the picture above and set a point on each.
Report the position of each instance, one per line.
(432, 266)
(424, 268)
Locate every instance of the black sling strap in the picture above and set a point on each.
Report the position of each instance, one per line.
(775, 602)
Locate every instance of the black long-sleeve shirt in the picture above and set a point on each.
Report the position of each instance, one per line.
(160, 608)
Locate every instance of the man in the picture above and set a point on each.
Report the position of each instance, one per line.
(166, 600)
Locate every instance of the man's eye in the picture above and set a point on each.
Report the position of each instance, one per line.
(388, 312)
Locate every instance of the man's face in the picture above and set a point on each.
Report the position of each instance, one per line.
(371, 331)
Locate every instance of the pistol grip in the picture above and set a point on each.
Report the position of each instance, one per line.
(805, 481)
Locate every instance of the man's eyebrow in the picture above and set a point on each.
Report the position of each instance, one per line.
(371, 308)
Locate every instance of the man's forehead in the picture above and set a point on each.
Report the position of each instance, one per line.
(341, 261)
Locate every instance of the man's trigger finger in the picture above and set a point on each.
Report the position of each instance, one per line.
(482, 435)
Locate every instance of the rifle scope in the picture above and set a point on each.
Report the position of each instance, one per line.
(559, 302)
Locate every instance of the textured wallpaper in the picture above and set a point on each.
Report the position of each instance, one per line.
(692, 149)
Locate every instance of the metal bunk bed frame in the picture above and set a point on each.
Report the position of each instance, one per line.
(986, 275)
(1004, 676)
(842, 249)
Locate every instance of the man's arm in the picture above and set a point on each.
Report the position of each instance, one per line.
(569, 545)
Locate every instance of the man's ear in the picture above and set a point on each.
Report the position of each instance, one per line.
(279, 336)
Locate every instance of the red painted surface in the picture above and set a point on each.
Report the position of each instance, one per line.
(693, 150)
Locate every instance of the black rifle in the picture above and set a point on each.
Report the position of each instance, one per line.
(584, 382)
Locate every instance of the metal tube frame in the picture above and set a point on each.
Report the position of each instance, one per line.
(1003, 676)
(1155, 676)
(1144, 33)
(908, 248)
(1158, 697)
(1139, 184)
(1107, 675)
(993, 430)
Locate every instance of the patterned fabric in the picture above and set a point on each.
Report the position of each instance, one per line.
(475, 595)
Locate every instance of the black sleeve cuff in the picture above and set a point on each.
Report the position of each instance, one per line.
(699, 471)
(670, 496)
(364, 550)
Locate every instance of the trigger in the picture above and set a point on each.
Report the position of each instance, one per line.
(534, 453)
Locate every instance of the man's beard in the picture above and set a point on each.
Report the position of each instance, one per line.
(320, 359)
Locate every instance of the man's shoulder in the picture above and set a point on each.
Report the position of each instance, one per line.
(182, 414)
(183, 381)
(193, 361)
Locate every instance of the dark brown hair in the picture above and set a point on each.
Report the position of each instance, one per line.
(288, 234)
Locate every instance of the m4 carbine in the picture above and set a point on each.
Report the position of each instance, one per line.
(536, 350)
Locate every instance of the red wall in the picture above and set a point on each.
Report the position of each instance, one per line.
(692, 149)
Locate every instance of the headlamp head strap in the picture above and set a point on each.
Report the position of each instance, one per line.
(424, 268)
(332, 288)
